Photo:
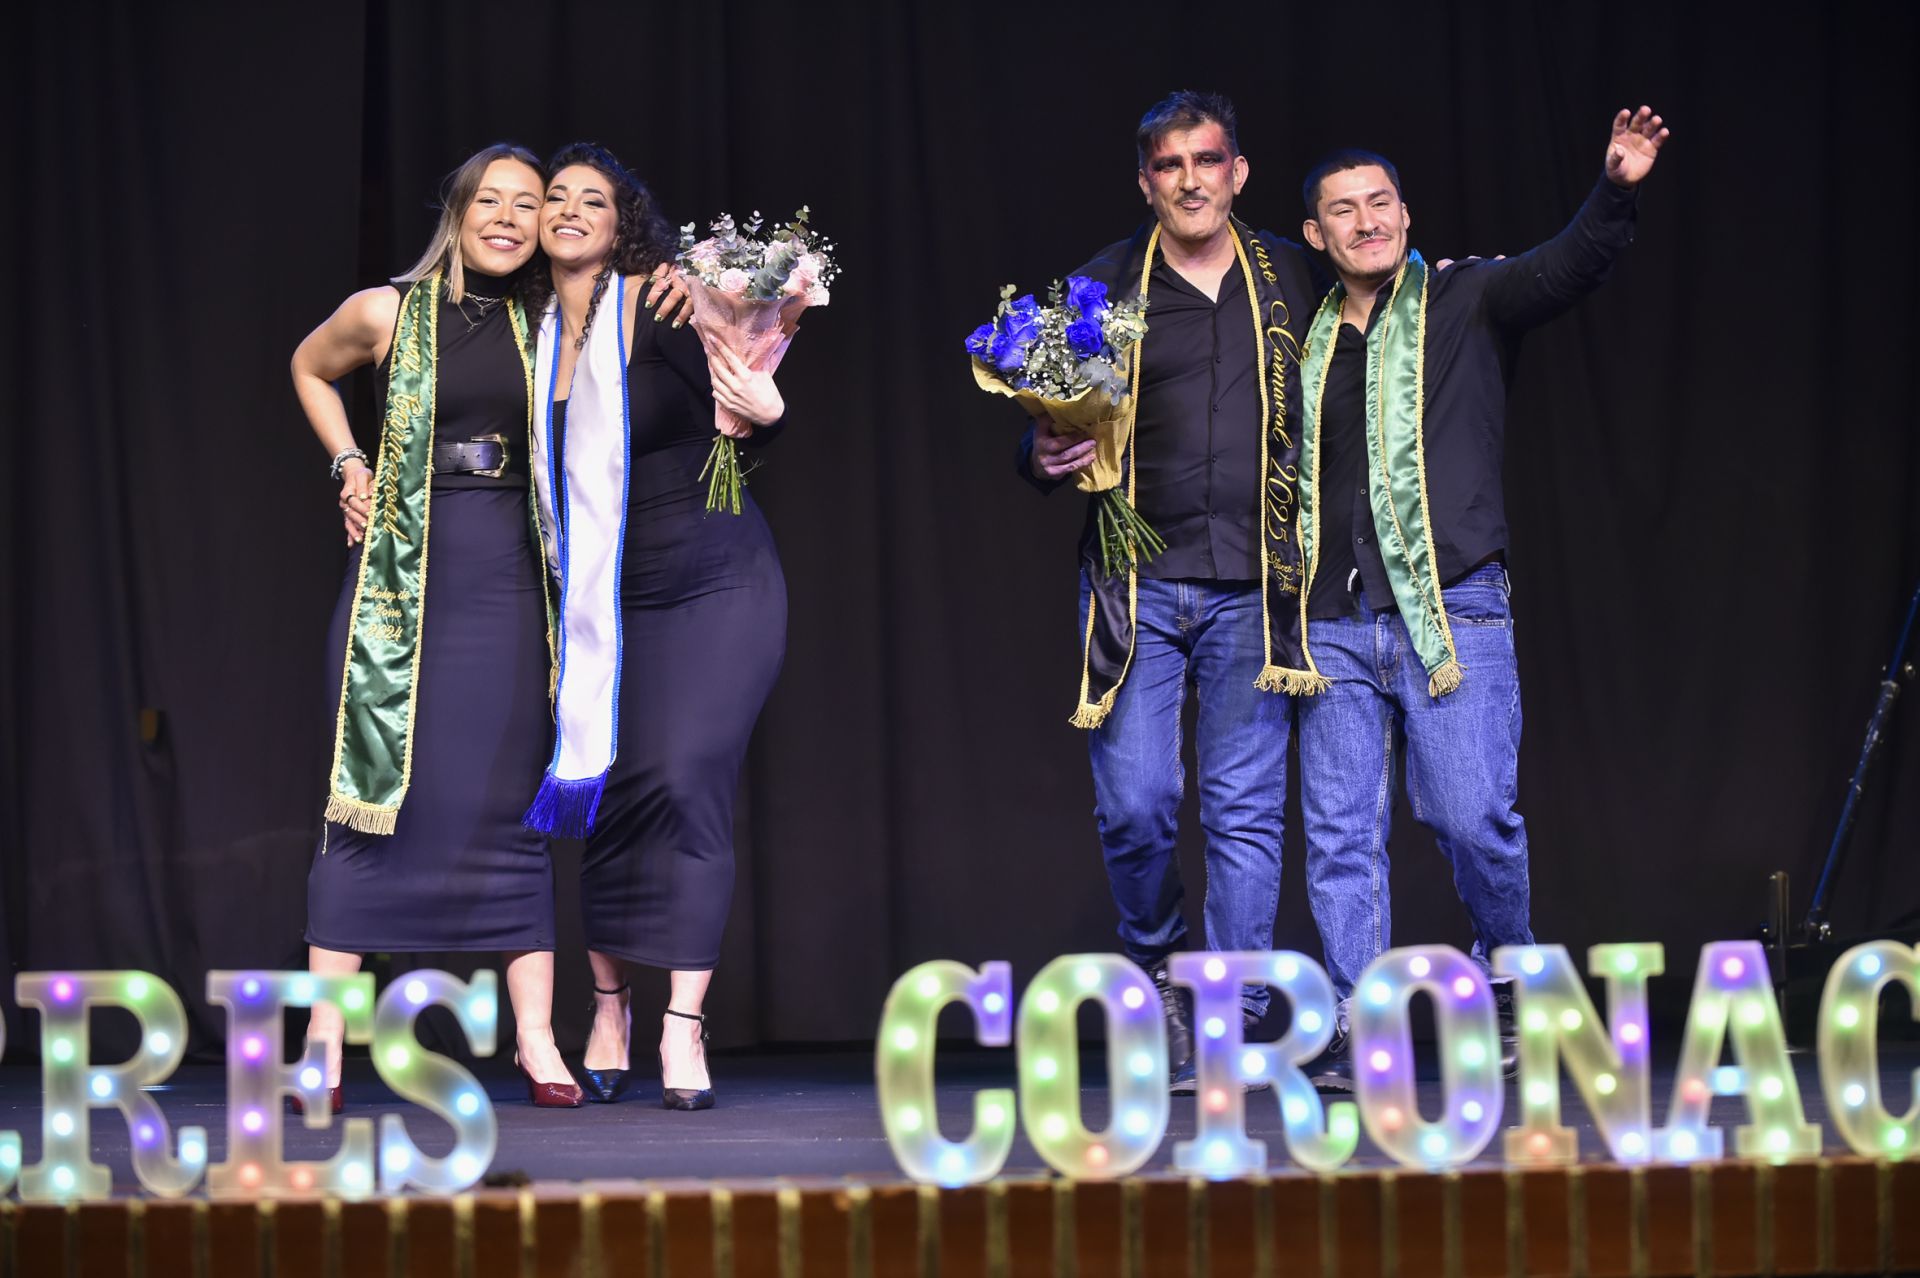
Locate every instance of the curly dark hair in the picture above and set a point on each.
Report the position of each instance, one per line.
(642, 238)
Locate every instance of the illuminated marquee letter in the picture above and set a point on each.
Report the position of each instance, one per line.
(257, 1081)
(1557, 1018)
(903, 1071)
(74, 1086)
(1733, 998)
(429, 1079)
(1050, 1065)
(1849, 1048)
(1320, 1140)
(1467, 1039)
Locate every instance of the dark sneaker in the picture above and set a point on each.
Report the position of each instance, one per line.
(1509, 1030)
(1173, 1006)
(1332, 1074)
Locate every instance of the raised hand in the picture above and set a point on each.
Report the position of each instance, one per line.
(1635, 145)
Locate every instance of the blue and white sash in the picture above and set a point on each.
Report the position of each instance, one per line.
(583, 504)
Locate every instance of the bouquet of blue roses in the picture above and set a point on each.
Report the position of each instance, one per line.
(1071, 360)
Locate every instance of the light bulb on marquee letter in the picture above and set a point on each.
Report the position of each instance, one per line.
(1557, 1018)
(257, 1081)
(1050, 1066)
(1733, 997)
(1224, 1064)
(1849, 1048)
(903, 1071)
(1467, 1039)
(74, 1086)
(432, 1080)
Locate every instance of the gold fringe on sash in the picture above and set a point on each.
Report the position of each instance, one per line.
(364, 817)
(1295, 683)
(1446, 679)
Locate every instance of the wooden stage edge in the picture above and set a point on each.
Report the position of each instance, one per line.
(1816, 1217)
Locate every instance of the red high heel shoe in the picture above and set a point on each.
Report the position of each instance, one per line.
(548, 1095)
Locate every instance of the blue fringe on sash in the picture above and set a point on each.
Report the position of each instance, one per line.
(566, 808)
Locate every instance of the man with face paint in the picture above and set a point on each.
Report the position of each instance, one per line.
(1218, 609)
(1403, 530)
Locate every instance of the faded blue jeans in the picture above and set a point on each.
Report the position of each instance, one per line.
(1209, 634)
(1462, 756)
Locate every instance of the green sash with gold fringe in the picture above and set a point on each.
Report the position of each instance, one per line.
(1396, 462)
(379, 687)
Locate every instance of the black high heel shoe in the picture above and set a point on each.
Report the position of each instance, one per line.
(688, 1098)
(605, 1086)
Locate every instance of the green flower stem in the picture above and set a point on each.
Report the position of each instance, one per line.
(724, 476)
(1125, 538)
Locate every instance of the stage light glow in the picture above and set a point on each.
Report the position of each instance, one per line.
(353, 999)
(138, 988)
(435, 1082)
(1086, 976)
(1225, 1066)
(1054, 1127)
(1849, 1034)
(1473, 1111)
(253, 1047)
(1733, 1006)
(72, 1087)
(1630, 1032)
(905, 1075)
(1137, 1122)
(482, 1009)
(1046, 1069)
(1134, 998)
(312, 1076)
(1046, 1002)
(250, 987)
(1633, 1143)
(1142, 1065)
(1466, 1040)
(302, 991)
(254, 1121)
(159, 1043)
(1566, 1032)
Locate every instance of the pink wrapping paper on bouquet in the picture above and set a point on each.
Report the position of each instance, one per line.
(758, 332)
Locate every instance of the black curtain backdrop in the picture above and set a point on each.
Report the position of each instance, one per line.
(1710, 463)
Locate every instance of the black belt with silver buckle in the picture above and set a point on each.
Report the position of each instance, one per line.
(486, 455)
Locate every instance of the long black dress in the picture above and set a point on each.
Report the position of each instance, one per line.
(459, 872)
(704, 616)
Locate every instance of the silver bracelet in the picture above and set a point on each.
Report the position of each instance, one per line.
(340, 459)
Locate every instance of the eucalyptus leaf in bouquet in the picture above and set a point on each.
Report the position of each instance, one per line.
(1072, 360)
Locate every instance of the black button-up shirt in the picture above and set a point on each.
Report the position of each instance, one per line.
(1477, 312)
(1197, 433)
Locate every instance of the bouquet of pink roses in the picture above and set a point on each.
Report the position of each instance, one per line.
(748, 292)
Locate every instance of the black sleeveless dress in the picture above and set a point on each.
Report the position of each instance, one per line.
(459, 872)
(704, 630)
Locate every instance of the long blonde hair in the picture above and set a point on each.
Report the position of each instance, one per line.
(456, 196)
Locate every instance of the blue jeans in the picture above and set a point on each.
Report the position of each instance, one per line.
(1462, 756)
(1208, 633)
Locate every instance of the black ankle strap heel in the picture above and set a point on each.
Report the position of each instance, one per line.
(686, 1098)
(606, 1086)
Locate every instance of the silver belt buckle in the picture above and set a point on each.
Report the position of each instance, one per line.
(499, 470)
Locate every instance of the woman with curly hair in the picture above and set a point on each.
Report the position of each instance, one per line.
(439, 695)
(673, 621)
